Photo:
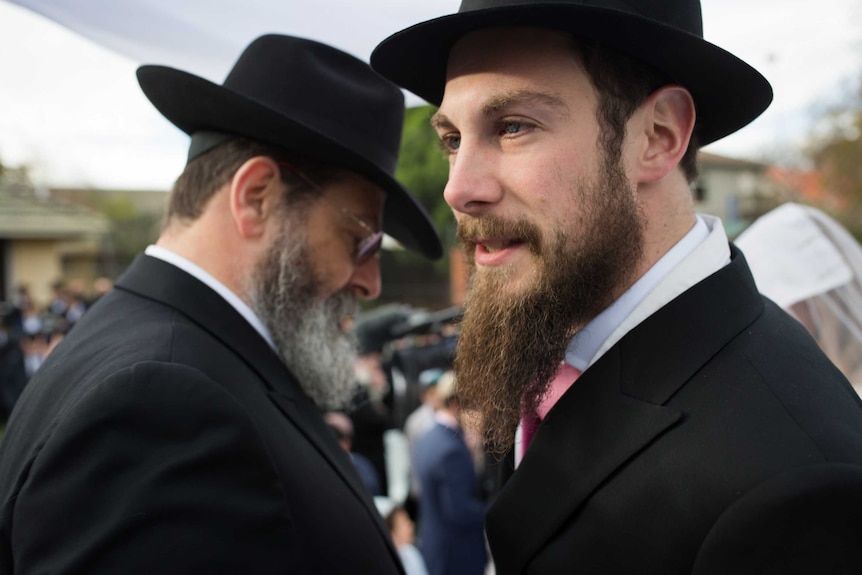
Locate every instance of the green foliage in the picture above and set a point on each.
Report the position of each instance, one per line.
(130, 233)
(423, 168)
(836, 151)
(15, 177)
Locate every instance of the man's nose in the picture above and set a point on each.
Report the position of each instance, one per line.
(365, 281)
(473, 185)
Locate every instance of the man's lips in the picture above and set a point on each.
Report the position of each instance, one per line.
(495, 251)
(493, 245)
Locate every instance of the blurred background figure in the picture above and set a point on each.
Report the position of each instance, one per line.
(13, 376)
(58, 304)
(101, 286)
(451, 510)
(369, 413)
(371, 408)
(397, 344)
(31, 318)
(403, 532)
(35, 349)
(76, 301)
(417, 424)
(421, 419)
(342, 427)
(28, 333)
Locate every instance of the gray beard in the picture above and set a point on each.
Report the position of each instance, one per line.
(306, 328)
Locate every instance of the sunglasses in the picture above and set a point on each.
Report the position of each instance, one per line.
(370, 244)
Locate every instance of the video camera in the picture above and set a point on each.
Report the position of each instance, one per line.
(409, 341)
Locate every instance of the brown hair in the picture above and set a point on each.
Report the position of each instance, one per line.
(204, 175)
(624, 83)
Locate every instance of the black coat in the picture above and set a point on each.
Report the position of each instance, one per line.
(13, 375)
(164, 436)
(715, 437)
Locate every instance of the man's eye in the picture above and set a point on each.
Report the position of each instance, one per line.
(450, 144)
(512, 128)
(357, 245)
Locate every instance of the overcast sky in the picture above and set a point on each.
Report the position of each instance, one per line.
(71, 108)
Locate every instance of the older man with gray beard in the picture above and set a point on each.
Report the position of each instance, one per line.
(178, 428)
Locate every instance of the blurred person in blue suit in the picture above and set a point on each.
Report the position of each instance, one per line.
(451, 511)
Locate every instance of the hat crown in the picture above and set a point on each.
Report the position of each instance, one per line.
(359, 108)
(305, 97)
(683, 15)
(664, 34)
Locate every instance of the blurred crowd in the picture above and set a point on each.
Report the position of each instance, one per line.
(29, 331)
(428, 474)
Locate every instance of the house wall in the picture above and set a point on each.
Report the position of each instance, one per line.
(727, 192)
(79, 260)
(35, 263)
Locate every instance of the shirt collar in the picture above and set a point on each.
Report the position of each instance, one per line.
(201, 274)
(610, 325)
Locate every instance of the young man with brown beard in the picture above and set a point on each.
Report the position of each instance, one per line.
(671, 419)
(177, 429)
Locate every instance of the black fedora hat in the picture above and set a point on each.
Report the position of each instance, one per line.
(668, 34)
(308, 98)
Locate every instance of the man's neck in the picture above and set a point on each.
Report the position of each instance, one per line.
(588, 344)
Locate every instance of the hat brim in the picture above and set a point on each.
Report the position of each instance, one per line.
(728, 93)
(193, 104)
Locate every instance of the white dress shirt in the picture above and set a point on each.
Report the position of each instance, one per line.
(701, 252)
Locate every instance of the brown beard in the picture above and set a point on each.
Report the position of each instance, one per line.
(511, 344)
(305, 327)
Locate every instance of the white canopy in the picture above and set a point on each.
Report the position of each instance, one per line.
(808, 264)
(206, 36)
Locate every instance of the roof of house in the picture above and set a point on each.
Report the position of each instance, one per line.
(25, 213)
(707, 159)
(146, 201)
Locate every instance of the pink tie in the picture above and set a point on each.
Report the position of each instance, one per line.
(564, 379)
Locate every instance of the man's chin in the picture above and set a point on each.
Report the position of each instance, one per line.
(515, 279)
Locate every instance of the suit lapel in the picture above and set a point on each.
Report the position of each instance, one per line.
(577, 446)
(165, 283)
(616, 409)
(662, 353)
(169, 285)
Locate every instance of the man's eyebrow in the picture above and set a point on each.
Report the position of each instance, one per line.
(439, 120)
(502, 101)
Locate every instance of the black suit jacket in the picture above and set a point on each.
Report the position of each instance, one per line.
(13, 375)
(165, 436)
(715, 437)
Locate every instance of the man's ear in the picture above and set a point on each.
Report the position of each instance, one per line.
(668, 121)
(255, 190)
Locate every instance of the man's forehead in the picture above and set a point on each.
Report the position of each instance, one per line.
(497, 48)
(516, 66)
(357, 193)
